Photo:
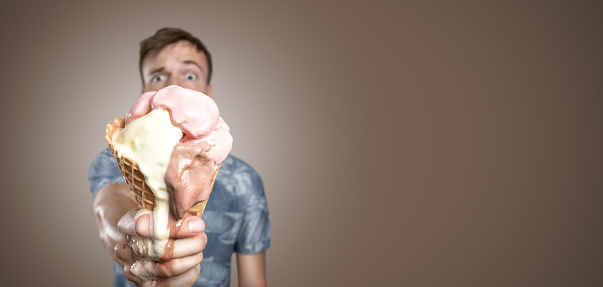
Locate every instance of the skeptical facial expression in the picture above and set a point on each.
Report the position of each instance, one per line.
(177, 64)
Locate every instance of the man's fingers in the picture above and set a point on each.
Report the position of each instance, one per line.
(123, 251)
(188, 278)
(187, 227)
(126, 223)
(144, 224)
(136, 222)
(165, 269)
(180, 267)
(131, 276)
(187, 246)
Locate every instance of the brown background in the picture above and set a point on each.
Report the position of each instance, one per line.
(432, 144)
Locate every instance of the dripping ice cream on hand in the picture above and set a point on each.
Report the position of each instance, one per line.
(178, 140)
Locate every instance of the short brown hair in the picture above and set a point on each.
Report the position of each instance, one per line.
(166, 36)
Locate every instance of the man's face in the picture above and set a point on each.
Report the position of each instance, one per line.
(177, 64)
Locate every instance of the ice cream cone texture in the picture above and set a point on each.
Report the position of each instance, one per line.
(143, 195)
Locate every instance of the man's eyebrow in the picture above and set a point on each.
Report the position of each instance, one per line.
(194, 63)
(158, 70)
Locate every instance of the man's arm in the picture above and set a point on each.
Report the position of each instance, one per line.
(251, 269)
(111, 203)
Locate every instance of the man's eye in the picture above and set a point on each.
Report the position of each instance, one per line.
(191, 76)
(158, 78)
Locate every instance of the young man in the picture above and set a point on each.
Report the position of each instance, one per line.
(236, 216)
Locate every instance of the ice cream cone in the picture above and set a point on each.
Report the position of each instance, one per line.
(135, 179)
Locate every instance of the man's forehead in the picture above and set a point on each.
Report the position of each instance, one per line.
(181, 52)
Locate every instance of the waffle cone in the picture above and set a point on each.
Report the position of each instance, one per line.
(135, 179)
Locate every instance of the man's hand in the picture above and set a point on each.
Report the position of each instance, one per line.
(124, 229)
(178, 265)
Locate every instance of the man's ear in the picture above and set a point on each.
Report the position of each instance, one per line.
(209, 91)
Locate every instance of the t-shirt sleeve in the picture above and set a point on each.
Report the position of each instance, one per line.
(254, 235)
(103, 171)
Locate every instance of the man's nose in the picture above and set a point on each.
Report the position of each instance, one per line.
(173, 81)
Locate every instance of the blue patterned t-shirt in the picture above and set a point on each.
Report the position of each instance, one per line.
(236, 216)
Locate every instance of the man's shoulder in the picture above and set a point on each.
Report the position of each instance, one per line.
(239, 177)
(236, 167)
(106, 152)
(103, 171)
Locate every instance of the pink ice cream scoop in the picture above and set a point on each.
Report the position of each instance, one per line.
(195, 113)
